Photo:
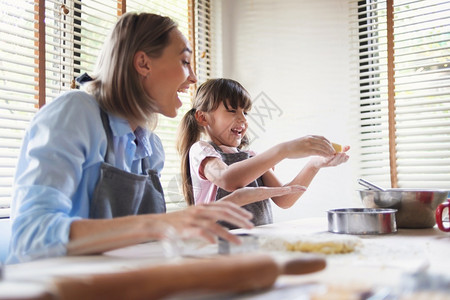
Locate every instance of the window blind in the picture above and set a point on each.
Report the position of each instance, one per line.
(200, 31)
(194, 21)
(421, 81)
(167, 127)
(75, 31)
(18, 82)
(203, 40)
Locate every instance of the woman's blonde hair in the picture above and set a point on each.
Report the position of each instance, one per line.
(116, 84)
(207, 98)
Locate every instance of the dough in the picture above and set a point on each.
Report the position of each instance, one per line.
(337, 147)
(319, 243)
(328, 247)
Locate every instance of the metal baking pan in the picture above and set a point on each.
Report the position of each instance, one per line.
(249, 243)
(362, 221)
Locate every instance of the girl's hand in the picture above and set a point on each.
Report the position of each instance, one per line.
(331, 161)
(310, 145)
(248, 195)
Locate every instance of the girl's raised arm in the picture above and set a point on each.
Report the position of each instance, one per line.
(242, 173)
(304, 177)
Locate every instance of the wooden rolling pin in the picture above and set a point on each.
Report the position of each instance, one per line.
(221, 274)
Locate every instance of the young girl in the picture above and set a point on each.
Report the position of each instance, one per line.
(212, 169)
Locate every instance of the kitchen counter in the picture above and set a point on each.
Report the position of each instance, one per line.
(380, 262)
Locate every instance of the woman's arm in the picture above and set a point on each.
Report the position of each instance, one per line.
(89, 236)
(58, 147)
(240, 174)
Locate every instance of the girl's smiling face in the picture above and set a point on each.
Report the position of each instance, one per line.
(170, 74)
(226, 126)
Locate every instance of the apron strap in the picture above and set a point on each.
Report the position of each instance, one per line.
(145, 163)
(109, 157)
(217, 148)
(220, 151)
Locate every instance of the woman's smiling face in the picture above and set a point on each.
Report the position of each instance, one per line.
(170, 74)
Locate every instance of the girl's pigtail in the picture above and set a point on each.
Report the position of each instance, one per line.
(188, 134)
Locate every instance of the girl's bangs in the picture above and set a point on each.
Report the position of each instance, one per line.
(236, 97)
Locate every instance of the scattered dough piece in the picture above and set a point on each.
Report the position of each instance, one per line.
(337, 147)
(326, 247)
(320, 243)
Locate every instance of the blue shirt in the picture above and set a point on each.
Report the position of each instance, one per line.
(58, 169)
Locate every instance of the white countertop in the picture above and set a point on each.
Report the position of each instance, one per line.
(381, 261)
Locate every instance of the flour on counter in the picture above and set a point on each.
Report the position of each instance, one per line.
(352, 250)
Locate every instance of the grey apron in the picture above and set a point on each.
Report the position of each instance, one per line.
(120, 193)
(261, 210)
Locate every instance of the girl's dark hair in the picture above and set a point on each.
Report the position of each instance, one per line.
(208, 97)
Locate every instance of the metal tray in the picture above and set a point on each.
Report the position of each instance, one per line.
(249, 244)
(362, 221)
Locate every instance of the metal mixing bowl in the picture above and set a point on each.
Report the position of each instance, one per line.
(415, 207)
(362, 221)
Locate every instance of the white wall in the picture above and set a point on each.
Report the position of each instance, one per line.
(298, 53)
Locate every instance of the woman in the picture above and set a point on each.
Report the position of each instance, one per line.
(87, 178)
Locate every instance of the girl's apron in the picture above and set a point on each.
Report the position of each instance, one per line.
(120, 193)
(261, 210)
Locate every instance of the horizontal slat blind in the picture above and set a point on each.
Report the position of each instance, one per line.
(203, 40)
(422, 92)
(75, 32)
(374, 141)
(422, 41)
(167, 127)
(18, 77)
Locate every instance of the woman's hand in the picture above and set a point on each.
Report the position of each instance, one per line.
(89, 236)
(201, 220)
